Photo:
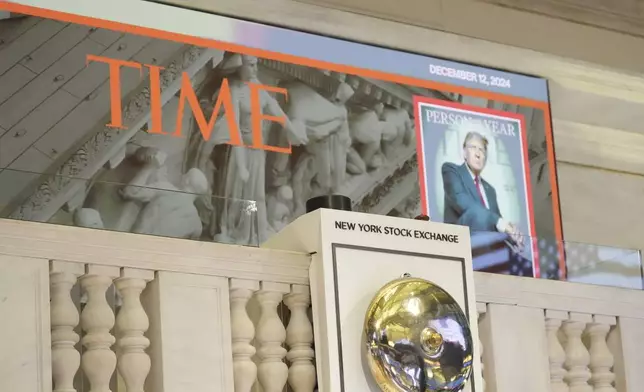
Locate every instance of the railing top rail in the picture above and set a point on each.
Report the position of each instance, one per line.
(125, 250)
(109, 248)
(558, 295)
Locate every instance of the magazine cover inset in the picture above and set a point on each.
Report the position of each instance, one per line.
(473, 169)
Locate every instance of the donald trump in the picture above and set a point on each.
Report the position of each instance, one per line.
(469, 199)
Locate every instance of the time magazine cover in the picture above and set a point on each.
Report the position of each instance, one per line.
(473, 171)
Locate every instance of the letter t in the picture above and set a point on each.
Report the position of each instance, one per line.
(115, 85)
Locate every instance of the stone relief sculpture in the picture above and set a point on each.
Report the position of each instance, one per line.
(89, 218)
(399, 132)
(279, 208)
(167, 210)
(367, 133)
(244, 173)
(321, 167)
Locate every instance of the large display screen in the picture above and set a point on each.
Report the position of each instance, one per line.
(180, 123)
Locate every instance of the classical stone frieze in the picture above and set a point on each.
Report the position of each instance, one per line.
(385, 186)
(94, 149)
(367, 91)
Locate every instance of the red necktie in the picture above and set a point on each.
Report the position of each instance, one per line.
(477, 183)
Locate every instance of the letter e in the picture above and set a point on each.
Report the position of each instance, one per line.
(257, 117)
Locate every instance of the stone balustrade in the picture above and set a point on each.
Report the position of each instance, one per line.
(153, 314)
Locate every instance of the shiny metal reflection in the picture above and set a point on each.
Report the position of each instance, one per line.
(417, 338)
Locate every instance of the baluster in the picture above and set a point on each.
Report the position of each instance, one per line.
(131, 324)
(64, 318)
(481, 310)
(577, 356)
(97, 319)
(271, 334)
(556, 353)
(243, 333)
(601, 359)
(299, 337)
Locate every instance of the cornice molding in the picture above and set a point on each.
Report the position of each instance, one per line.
(501, 24)
(599, 147)
(572, 73)
(626, 16)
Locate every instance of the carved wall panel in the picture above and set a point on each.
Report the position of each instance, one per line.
(560, 27)
(621, 15)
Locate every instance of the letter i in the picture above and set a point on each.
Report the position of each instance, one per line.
(155, 99)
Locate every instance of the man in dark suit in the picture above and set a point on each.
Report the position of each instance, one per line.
(469, 199)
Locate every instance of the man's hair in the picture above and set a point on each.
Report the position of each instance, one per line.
(475, 135)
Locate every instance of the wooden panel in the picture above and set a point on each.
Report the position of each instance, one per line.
(13, 80)
(32, 161)
(25, 363)
(90, 78)
(95, 110)
(191, 351)
(18, 180)
(33, 94)
(105, 37)
(158, 52)
(27, 43)
(11, 29)
(22, 172)
(2, 132)
(89, 113)
(55, 48)
(35, 125)
(601, 207)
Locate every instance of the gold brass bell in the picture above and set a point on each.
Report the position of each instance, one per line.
(417, 338)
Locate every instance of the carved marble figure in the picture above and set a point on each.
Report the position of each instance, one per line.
(367, 132)
(278, 206)
(321, 167)
(400, 130)
(166, 210)
(244, 176)
(89, 218)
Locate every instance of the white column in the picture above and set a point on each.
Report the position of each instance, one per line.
(97, 320)
(243, 333)
(131, 325)
(626, 342)
(65, 358)
(25, 351)
(516, 354)
(271, 334)
(190, 338)
(299, 338)
(481, 310)
(556, 353)
(601, 359)
(577, 356)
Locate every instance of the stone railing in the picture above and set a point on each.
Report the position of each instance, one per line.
(92, 310)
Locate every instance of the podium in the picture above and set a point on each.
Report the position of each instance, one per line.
(352, 256)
